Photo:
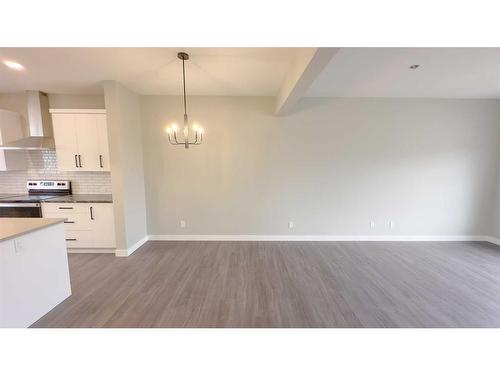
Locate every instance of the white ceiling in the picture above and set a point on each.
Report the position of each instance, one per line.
(384, 72)
(210, 71)
(353, 72)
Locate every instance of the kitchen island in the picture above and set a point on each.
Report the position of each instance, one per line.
(34, 272)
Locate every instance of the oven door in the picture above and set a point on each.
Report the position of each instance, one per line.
(20, 210)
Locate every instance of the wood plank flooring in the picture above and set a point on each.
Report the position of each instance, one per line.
(285, 284)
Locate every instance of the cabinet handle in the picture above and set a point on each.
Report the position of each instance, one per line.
(76, 160)
(80, 160)
(91, 213)
(65, 208)
(70, 239)
(69, 222)
(100, 161)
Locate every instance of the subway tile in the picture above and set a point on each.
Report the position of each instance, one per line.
(43, 165)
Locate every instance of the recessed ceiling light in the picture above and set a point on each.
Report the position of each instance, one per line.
(414, 66)
(13, 65)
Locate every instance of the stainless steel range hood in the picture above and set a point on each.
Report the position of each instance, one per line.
(40, 125)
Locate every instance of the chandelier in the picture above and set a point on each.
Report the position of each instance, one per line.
(172, 130)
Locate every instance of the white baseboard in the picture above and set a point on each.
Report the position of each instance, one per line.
(131, 249)
(492, 240)
(381, 238)
(173, 237)
(90, 251)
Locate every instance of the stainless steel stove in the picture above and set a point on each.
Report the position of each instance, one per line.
(29, 205)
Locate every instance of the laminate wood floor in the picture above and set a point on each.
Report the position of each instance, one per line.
(285, 284)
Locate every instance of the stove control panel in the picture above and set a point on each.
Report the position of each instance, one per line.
(48, 186)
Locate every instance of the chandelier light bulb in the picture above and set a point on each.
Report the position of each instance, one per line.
(174, 127)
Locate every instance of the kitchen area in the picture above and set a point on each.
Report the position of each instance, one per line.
(55, 197)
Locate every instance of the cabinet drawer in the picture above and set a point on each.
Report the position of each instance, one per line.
(77, 222)
(87, 225)
(72, 220)
(51, 208)
(78, 238)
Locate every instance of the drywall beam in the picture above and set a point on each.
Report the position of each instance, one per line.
(306, 68)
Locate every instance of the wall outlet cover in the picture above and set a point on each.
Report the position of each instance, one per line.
(18, 245)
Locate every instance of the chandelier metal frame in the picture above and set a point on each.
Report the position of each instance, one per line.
(172, 131)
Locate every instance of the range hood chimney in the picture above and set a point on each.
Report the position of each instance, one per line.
(40, 125)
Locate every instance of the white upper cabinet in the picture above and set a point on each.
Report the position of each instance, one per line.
(87, 137)
(81, 138)
(11, 130)
(65, 139)
(102, 135)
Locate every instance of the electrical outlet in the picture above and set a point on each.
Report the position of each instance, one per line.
(290, 224)
(391, 224)
(183, 224)
(18, 245)
(372, 224)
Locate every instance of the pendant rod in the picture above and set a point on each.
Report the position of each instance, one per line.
(184, 86)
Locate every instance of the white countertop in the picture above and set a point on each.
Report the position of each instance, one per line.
(14, 227)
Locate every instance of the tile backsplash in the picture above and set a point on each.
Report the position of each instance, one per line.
(43, 165)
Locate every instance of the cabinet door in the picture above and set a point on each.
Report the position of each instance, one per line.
(88, 146)
(66, 143)
(102, 131)
(103, 225)
(87, 225)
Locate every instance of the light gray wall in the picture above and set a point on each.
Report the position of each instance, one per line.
(76, 101)
(17, 102)
(331, 167)
(126, 154)
(14, 102)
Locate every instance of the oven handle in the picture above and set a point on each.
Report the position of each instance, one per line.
(20, 205)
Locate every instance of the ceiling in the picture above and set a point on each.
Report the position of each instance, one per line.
(352, 72)
(384, 72)
(210, 71)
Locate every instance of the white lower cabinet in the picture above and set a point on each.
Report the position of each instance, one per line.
(87, 225)
(103, 225)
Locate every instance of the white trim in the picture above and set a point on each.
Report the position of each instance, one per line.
(75, 250)
(340, 238)
(131, 249)
(121, 253)
(75, 110)
(492, 240)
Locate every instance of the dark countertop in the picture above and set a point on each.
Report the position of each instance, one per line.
(7, 195)
(82, 198)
